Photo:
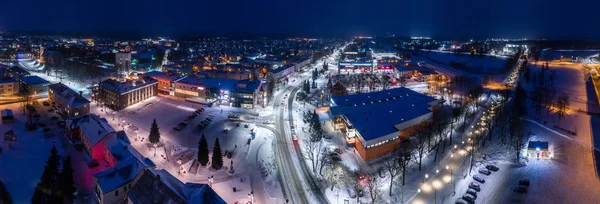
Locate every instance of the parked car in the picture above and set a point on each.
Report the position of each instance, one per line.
(472, 192)
(225, 131)
(245, 125)
(237, 124)
(479, 179)
(520, 189)
(524, 182)
(231, 116)
(469, 198)
(474, 186)
(45, 103)
(180, 126)
(361, 193)
(485, 172)
(492, 168)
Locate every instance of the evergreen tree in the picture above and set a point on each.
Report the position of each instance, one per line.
(314, 84)
(66, 181)
(217, 157)
(47, 190)
(154, 137)
(314, 74)
(203, 151)
(316, 130)
(5, 195)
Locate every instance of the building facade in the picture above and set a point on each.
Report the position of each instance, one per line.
(68, 102)
(9, 86)
(119, 95)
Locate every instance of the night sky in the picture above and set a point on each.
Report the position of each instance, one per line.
(553, 19)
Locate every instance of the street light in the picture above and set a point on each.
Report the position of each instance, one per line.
(155, 148)
(179, 167)
(437, 171)
(426, 176)
(251, 196)
(210, 180)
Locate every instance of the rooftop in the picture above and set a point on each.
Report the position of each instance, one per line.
(162, 187)
(129, 85)
(34, 80)
(245, 86)
(7, 80)
(365, 111)
(68, 95)
(94, 127)
(122, 173)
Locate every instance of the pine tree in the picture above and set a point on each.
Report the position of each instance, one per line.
(4, 194)
(217, 157)
(203, 151)
(47, 190)
(66, 181)
(154, 137)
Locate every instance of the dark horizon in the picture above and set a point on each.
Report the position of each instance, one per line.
(463, 19)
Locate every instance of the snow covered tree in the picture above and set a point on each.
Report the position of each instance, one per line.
(404, 160)
(203, 151)
(154, 136)
(217, 156)
(315, 127)
(47, 190)
(419, 146)
(311, 150)
(66, 181)
(4, 194)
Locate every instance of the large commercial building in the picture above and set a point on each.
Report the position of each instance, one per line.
(166, 81)
(236, 93)
(375, 123)
(118, 95)
(68, 102)
(35, 84)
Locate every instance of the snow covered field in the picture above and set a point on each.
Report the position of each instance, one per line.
(21, 167)
(475, 64)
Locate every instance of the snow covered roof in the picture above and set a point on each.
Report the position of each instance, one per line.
(162, 187)
(68, 95)
(124, 172)
(6, 79)
(34, 80)
(94, 127)
(244, 86)
(129, 85)
(381, 113)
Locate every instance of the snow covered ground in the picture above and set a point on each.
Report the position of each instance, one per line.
(248, 160)
(476, 64)
(22, 165)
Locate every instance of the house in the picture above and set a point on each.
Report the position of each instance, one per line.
(112, 184)
(338, 89)
(7, 116)
(35, 84)
(90, 129)
(162, 187)
(9, 86)
(359, 118)
(538, 149)
(166, 81)
(68, 102)
(235, 93)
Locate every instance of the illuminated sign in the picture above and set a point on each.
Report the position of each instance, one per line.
(200, 88)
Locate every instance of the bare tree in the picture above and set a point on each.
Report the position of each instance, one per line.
(562, 103)
(419, 146)
(404, 160)
(311, 151)
(393, 169)
(373, 184)
(323, 160)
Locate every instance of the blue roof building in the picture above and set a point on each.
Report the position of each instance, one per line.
(375, 121)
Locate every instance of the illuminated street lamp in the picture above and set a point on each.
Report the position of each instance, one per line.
(437, 171)
(251, 196)
(155, 148)
(426, 176)
(179, 167)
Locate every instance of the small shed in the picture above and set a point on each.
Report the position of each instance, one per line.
(538, 149)
(7, 116)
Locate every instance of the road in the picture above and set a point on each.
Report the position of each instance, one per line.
(440, 182)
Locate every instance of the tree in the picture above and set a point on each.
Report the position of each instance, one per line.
(47, 190)
(404, 160)
(324, 160)
(217, 156)
(5, 197)
(27, 105)
(154, 136)
(373, 185)
(419, 146)
(270, 90)
(203, 151)
(311, 151)
(315, 127)
(562, 103)
(392, 167)
(66, 181)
